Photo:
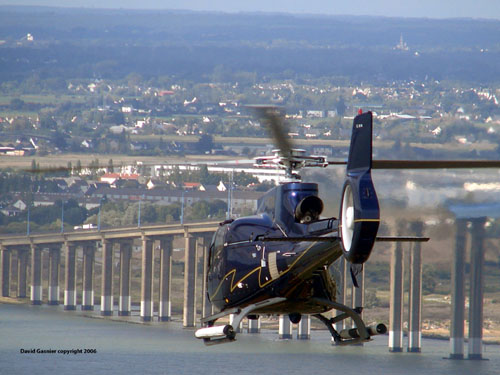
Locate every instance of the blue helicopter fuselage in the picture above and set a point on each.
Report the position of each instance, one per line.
(273, 254)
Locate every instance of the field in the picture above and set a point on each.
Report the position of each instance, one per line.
(24, 162)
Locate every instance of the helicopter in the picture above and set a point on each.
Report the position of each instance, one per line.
(276, 261)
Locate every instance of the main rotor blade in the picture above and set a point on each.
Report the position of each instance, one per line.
(337, 162)
(274, 119)
(428, 164)
(401, 239)
(435, 164)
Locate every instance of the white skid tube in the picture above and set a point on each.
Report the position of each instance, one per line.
(216, 332)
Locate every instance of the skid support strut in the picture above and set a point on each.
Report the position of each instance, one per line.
(357, 335)
(220, 334)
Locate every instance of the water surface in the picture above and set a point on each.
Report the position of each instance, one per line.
(167, 348)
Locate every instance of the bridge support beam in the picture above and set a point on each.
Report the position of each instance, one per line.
(107, 279)
(358, 296)
(147, 280)
(415, 296)
(475, 344)
(206, 306)
(254, 325)
(304, 328)
(88, 277)
(458, 292)
(22, 271)
(124, 302)
(189, 311)
(5, 272)
(396, 301)
(36, 275)
(70, 277)
(285, 328)
(341, 289)
(54, 263)
(164, 307)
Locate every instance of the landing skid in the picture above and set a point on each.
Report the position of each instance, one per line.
(212, 335)
(352, 336)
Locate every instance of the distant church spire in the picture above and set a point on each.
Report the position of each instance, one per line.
(402, 46)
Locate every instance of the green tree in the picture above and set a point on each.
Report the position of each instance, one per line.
(78, 167)
(47, 120)
(59, 140)
(21, 124)
(341, 107)
(34, 166)
(110, 168)
(205, 143)
(17, 104)
(200, 210)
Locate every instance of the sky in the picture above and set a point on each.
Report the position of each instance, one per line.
(391, 8)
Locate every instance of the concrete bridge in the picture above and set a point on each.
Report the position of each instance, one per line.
(196, 236)
(27, 252)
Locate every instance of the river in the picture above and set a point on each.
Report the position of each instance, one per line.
(166, 348)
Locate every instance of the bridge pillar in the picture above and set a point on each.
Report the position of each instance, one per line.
(88, 276)
(189, 311)
(5, 270)
(341, 289)
(36, 275)
(358, 296)
(458, 292)
(124, 302)
(206, 306)
(22, 268)
(254, 325)
(70, 277)
(147, 280)
(475, 344)
(54, 262)
(415, 296)
(107, 278)
(285, 328)
(164, 307)
(304, 328)
(396, 301)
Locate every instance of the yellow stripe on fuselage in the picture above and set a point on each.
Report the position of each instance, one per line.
(261, 285)
(362, 220)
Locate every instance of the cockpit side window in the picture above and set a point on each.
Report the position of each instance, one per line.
(267, 204)
(211, 250)
(217, 244)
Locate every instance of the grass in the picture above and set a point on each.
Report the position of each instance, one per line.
(24, 162)
(18, 113)
(48, 99)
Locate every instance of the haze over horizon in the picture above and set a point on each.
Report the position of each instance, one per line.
(488, 9)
